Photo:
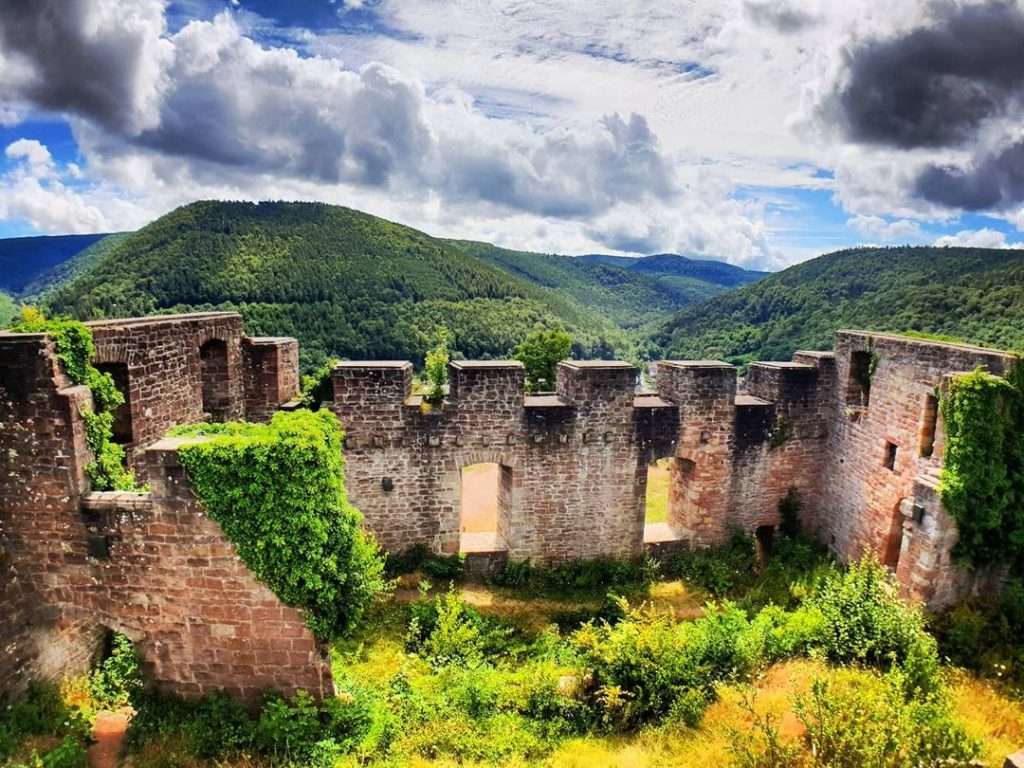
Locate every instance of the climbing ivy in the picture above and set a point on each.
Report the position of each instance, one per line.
(73, 345)
(278, 493)
(982, 481)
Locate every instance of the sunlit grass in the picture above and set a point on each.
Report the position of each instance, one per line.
(657, 492)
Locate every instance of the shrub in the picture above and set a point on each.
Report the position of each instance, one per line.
(447, 631)
(419, 558)
(118, 678)
(317, 387)
(598, 574)
(719, 570)
(277, 492)
(856, 721)
(540, 353)
(41, 712)
(865, 621)
(642, 665)
(436, 372)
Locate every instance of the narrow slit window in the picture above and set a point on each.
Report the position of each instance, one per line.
(858, 388)
(890, 456)
(928, 422)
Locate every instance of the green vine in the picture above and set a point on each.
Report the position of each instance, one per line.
(277, 491)
(73, 345)
(982, 481)
(781, 433)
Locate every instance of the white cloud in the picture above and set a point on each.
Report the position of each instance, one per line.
(880, 229)
(34, 152)
(977, 238)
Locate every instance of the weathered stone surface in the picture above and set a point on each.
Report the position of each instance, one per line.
(854, 431)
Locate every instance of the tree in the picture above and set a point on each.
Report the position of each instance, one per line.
(540, 353)
(436, 368)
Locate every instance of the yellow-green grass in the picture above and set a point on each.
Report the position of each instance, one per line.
(657, 492)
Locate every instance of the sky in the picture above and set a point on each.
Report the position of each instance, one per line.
(760, 132)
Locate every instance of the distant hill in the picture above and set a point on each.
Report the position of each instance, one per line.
(77, 264)
(972, 294)
(23, 259)
(616, 288)
(343, 282)
(673, 265)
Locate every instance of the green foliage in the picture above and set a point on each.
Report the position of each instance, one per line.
(789, 514)
(41, 712)
(118, 678)
(866, 622)
(780, 434)
(986, 637)
(344, 283)
(540, 353)
(967, 293)
(982, 481)
(419, 558)
(436, 373)
(855, 720)
(719, 570)
(447, 631)
(277, 491)
(8, 310)
(594, 575)
(317, 387)
(73, 345)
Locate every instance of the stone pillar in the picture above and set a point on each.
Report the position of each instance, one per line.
(271, 375)
(705, 392)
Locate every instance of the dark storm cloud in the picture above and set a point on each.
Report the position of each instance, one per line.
(74, 58)
(934, 87)
(996, 182)
(780, 15)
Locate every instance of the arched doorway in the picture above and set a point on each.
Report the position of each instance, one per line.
(213, 360)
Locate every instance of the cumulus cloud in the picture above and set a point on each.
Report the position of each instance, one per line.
(940, 104)
(881, 229)
(977, 238)
(782, 15)
(103, 59)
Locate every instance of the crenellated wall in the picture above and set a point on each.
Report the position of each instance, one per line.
(152, 566)
(854, 432)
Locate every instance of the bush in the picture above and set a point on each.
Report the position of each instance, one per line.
(718, 570)
(642, 665)
(865, 621)
(419, 558)
(598, 574)
(42, 712)
(118, 678)
(854, 720)
(447, 631)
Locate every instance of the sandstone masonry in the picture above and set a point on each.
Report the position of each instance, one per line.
(855, 432)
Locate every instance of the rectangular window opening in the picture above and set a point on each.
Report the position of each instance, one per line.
(890, 456)
(858, 388)
(928, 423)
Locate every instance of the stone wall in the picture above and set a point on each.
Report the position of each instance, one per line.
(77, 564)
(884, 448)
(854, 432)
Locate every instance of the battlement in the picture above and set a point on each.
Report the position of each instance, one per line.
(856, 433)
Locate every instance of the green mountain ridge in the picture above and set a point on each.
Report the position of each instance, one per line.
(76, 265)
(345, 283)
(972, 294)
(23, 259)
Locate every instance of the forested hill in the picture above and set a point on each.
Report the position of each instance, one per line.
(674, 268)
(22, 259)
(343, 282)
(631, 297)
(968, 293)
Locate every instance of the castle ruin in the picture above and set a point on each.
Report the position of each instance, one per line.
(855, 432)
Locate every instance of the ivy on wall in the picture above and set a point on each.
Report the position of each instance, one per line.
(73, 345)
(277, 491)
(982, 481)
